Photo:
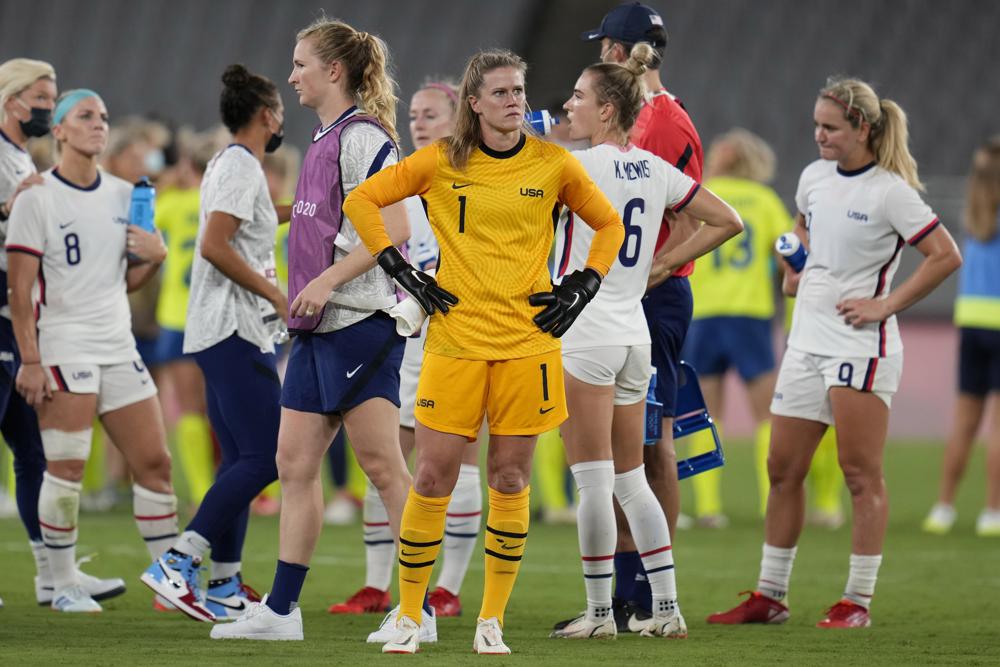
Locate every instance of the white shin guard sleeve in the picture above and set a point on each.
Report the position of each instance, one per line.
(649, 530)
(597, 533)
(58, 514)
(461, 529)
(380, 548)
(156, 518)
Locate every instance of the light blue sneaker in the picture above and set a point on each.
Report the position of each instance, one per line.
(228, 598)
(175, 577)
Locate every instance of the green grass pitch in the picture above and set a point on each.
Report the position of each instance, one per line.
(937, 601)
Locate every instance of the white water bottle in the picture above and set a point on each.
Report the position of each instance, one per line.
(790, 247)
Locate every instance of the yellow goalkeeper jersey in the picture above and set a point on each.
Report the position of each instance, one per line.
(737, 278)
(494, 221)
(177, 217)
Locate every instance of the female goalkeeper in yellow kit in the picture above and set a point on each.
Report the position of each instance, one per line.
(492, 344)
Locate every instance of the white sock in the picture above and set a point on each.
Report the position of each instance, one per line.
(58, 515)
(380, 548)
(862, 578)
(649, 529)
(461, 528)
(775, 571)
(596, 530)
(156, 517)
(192, 544)
(41, 555)
(225, 570)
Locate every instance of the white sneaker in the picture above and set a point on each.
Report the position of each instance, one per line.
(98, 589)
(405, 637)
(260, 622)
(940, 520)
(489, 638)
(684, 522)
(387, 628)
(988, 523)
(583, 628)
(671, 627)
(340, 511)
(75, 600)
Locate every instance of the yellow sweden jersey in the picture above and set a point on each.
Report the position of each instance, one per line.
(494, 224)
(737, 278)
(177, 218)
(281, 252)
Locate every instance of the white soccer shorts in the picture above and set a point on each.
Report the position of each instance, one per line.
(116, 385)
(627, 367)
(409, 375)
(805, 380)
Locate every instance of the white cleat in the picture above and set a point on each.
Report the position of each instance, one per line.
(583, 628)
(489, 638)
(75, 600)
(669, 627)
(98, 589)
(387, 628)
(260, 622)
(988, 523)
(940, 519)
(405, 637)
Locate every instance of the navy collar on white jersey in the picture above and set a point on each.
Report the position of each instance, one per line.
(321, 132)
(90, 188)
(856, 172)
(241, 146)
(10, 141)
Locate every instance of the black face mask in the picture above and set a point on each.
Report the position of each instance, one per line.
(274, 143)
(39, 124)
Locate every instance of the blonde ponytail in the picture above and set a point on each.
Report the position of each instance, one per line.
(621, 85)
(890, 142)
(365, 58)
(888, 136)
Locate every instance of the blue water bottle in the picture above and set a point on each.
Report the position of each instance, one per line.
(541, 121)
(654, 413)
(142, 207)
(790, 247)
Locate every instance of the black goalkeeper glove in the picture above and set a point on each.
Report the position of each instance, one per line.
(566, 301)
(416, 283)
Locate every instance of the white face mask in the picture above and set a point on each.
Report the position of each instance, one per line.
(154, 162)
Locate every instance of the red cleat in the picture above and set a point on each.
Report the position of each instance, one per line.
(366, 601)
(252, 595)
(846, 614)
(755, 609)
(444, 603)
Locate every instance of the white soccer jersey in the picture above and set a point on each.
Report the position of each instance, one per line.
(858, 222)
(641, 186)
(15, 166)
(364, 150)
(79, 235)
(422, 247)
(234, 183)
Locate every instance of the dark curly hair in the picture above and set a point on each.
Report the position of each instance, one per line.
(243, 93)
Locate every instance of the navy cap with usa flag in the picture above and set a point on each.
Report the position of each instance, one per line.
(630, 23)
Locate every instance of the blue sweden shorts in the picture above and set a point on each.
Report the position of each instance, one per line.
(716, 344)
(978, 361)
(170, 346)
(668, 315)
(336, 371)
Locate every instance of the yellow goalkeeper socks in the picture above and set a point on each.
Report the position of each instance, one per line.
(761, 447)
(707, 486)
(506, 534)
(194, 445)
(420, 533)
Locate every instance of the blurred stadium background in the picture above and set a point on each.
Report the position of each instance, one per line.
(732, 62)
